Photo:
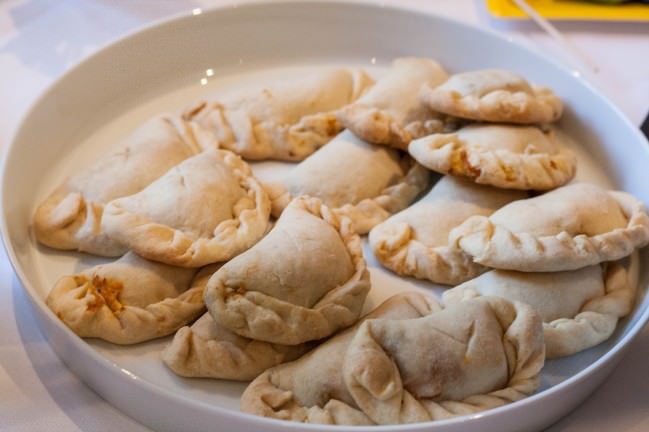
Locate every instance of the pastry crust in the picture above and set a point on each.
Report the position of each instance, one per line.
(303, 281)
(209, 350)
(510, 157)
(493, 95)
(70, 218)
(311, 389)
(580, 308)
(207, 209)
(414, 242)
(568, 228)
(127, 301)
(469, 357)
(286, 120)
(391, 113)
(357, 180)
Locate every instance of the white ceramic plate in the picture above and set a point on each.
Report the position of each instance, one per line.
(170, 64)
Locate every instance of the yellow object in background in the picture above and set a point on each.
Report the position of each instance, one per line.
(572, 10)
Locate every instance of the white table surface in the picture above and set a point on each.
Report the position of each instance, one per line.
(41, 39)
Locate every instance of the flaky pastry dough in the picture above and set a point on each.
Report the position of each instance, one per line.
(580, 308)
(311, 389)
(391, 112)
(303, 281)
(287, 119)
(469, 357)
(70, 218)
(494, 95)
(207, 209)
(568, 228)
(363, 182)
(127, 301)
(414, 242)
(209, 350)
(511, 157)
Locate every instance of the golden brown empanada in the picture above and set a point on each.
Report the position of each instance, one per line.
(311, 389)
(494, 95)
(580, 308)
(363, 182)
(127, 301)
(469, 357)
(510, 157)
(209, 350)
(286, 120)
(207, 209)
(70, 218)
(303, 281)
(414, 242)
(391, 112)
(568, 228)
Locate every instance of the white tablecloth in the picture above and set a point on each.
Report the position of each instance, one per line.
(41, 39)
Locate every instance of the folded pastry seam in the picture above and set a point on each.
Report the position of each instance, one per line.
(261, 316)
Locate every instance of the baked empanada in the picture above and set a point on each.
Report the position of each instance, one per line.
(510, 157)
(391, 112)
(287, 119)
(469, 357)
(580, 308)
(206, 209)
(494, 95)
(362, 181)
(311, 389)
(568, 228)
(70, 218)
(303, 281)
(127, 301)
(209, 350)
(414, 242)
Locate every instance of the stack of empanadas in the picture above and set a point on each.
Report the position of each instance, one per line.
(409, 364)
(540, 267)
(524, 155)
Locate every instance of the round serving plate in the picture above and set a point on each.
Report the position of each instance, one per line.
(166, 66)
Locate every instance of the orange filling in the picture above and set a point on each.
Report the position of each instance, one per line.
(105, 292)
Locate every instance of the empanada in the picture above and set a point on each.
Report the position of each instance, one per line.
(127, 301)
(568, 228)
(70, 218)
(363, 182)
(414, 242)
(303, 281)
(469, 357)
(494, 95)
(209, 350)
(580, 308)
(207, 209)
(311, 389)
(286, 119)
(391, 112)
(511, 157)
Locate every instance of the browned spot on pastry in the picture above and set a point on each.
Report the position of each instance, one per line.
(236, 290)
(105, 292)
(553, 164)
(332, 126)
(460, 165)
(509, 173)
(80, 280)
(198, 108)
